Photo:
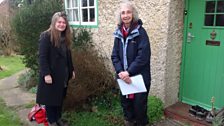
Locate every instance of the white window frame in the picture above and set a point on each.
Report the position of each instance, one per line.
(69, 7)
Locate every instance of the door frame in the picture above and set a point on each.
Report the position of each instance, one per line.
(186, 8)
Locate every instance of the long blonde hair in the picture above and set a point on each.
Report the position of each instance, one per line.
(128, 4)
(56, 35)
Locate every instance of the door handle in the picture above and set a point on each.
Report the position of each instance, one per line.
(189, 37)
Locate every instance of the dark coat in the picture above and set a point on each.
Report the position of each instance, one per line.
(137, 52)
(53, 62)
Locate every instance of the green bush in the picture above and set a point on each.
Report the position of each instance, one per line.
(218, 121)
(82, 38)
(92, 76)
(155, 109)
(28, 81)
(28, 23)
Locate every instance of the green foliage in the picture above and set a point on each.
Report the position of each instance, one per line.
(107, 107)
(33, 90)
(14, 3)
(7, 116)
(28, 23)
(92, 76)
(81, 38)
(86, 119)
(28, 81)
(218, 121)
(155, 109)
(104, 110)
(10, 65)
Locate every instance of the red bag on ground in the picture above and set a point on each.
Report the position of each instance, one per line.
(38, 114)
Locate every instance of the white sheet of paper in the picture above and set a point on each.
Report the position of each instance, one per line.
(136, 86)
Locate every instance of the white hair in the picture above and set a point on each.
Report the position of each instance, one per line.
(128, 4)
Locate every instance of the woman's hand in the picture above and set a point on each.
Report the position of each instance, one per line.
(73, 75)
(48, 79)
(125, 77)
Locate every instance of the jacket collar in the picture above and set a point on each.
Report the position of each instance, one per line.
(134, 33)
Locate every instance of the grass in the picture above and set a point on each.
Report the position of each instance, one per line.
(7, 116)
(105, 110)
(10, 65)
(87, 119)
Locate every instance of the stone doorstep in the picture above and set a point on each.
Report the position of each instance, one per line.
(179, 112)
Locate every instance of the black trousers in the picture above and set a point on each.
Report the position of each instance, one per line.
(53, 113)
(135, 110)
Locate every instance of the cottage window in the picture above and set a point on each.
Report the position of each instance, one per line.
(81, 12)
(214, 13)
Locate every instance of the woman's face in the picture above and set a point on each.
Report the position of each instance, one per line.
(126, 15)
(60, 24)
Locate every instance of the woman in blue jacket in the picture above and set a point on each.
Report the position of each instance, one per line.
(56, 67)
(131, 56)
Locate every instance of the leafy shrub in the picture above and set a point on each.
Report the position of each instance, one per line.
(28, 23)
(155, 109)
(28, 80)
(108, 107)
(81, 38)
(92, 76)
(218, 121)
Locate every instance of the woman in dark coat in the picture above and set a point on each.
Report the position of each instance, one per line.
(131, 56)
(56, 67)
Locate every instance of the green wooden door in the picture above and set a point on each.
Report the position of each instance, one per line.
(202, 70)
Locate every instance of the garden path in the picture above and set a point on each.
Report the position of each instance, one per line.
(17, 98)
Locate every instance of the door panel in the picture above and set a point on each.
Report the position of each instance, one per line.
(203, 67)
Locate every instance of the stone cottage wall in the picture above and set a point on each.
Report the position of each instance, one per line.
(174, 48)
(163, 21)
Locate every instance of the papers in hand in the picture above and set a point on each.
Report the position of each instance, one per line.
(137, 85)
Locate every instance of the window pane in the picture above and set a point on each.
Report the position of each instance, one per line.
(69, 3)
(220, 20)
(210, 6)
(91, 2)
(74, 3)
(69, 15)
(84, 15)
(92, 15)
(84, 3)
(220, 7)
(209, 19)
(75, 15)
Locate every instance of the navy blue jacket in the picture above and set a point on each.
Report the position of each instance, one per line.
(132, 54)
